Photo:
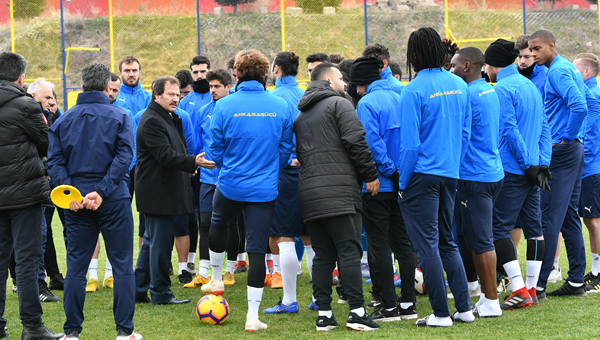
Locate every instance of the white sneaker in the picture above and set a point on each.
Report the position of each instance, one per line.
(472, 293)
(253, 325)
(555, 275)
(133, 336)
(215, 287)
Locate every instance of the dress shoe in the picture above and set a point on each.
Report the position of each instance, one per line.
(38, 331)
(174, 301)
(143, 299)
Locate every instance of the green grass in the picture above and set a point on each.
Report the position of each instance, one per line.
(575, 318)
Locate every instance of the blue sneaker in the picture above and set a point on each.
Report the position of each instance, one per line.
(280, 308)
(313, 306)
(398, 283)
(369, 281)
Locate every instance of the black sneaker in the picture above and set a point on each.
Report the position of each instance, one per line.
(384, 315)
(171, 273)
(594, 285)
(57, 282)
(74, 334)
(342, 298)
(364, 323)
(567, 290)
(408, 313)
(185, 277)
(541, 295)
(38, 331)
(4, 333)
(326, 324)
(46, 295)
(375, 303)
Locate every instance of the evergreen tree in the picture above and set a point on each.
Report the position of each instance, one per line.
(234, 3)
(27, 9)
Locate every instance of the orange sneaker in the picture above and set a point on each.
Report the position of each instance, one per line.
(277, 282)
(518, 299)
(267, 280)
(533, 294)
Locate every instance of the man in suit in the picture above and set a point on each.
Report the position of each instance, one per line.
(162, 187)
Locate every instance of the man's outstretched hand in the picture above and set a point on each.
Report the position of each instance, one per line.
(201, 162)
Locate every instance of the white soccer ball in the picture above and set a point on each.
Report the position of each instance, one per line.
(419, 282)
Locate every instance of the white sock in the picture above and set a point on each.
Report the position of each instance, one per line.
(216, 262)
(405, 305)
(556, 263)
(203, 267)
(191, 257)
(254, 299)
(269, 257)
(310, 255)
(288, 258)
(241, 257)
(393, 263)
(533, 273)
(513, 270)
(490, 308)
(364, 258)
(277, 264)
(595, 264)
(182, 267)
(359, 311)
(326, 313)
(473, 285)
(230, 266)
(108, 270)
(93, 269)
(481, 301)
(266, 266)
(575, 284)
(335, 266)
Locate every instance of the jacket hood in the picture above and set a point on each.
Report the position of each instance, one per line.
(10, 91)
(317, 90)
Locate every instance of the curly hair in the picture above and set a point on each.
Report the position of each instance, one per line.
(251, 64)
(451, 49)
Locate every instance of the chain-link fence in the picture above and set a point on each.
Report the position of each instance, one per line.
(166, 35)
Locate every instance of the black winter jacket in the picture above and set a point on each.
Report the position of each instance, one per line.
(334, 156)
(23, 145)
(162, 173)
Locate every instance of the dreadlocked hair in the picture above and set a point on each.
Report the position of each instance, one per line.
(425, 50)
(451, 49)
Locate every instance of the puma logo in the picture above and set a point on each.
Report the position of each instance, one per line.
(464, 203)
(588, 209)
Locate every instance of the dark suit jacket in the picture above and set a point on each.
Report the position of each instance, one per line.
(162, 173)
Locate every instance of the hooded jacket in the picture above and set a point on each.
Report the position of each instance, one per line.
(565, 101)
(379, 113)
(524, 130)
(23, 144)
(333, 151)
(133, 99)
(251, 141)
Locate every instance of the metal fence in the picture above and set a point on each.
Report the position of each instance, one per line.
(59, 38)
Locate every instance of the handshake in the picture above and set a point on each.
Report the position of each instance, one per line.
(539, 175)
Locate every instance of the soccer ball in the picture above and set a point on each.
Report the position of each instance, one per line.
(419, 282)
(212, 309)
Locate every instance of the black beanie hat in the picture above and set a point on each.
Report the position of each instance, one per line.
(365, 70)
(501, 53)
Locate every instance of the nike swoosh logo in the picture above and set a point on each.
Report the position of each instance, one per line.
(283, 310)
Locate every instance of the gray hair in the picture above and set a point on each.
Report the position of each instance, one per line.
(12, 66)
(94, 77)
(38, 86)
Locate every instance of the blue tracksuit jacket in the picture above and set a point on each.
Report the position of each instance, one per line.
(436, 125)
(251, 141)
(287, 88)
(394, 83)
(208, 176)
(591, 141)
(482, 162)
(565, 101)
(538, 78)
(192, 103)
(379, 112)
(91, 147)
(133, 99)
(524, 130)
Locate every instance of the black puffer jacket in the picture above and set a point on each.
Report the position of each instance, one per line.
(334, 156)
(23, 144)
